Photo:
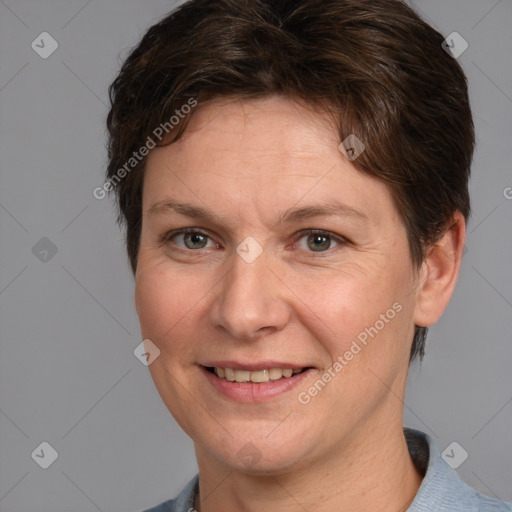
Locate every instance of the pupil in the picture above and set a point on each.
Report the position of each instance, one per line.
(196, 238)
(324, 245)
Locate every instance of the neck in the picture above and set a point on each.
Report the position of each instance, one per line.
(373, 471)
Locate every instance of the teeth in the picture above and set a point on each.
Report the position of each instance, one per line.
(275, 373)
(265, 375)
(242, 375)
(259, 376)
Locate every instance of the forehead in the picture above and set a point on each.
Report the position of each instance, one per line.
(274, 123)
(262, 155)
(278, 131)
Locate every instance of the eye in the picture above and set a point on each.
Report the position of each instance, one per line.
(193, 239)
(318, 240)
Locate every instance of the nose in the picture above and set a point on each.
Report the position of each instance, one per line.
(250, 300)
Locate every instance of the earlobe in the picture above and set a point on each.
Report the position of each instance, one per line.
(439, 273)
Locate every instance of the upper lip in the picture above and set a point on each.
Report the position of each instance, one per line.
(252, 366)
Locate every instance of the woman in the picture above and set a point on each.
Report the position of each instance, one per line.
(293, 177)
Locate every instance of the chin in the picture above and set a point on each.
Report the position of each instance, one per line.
(260, 455)
(262, 463)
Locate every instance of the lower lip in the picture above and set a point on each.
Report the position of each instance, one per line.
(254, 391)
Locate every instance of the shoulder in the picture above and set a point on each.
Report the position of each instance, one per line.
(442, 489)
(184, 502)
(483, 503)
(166, 506)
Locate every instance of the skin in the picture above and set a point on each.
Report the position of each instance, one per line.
(248, 161)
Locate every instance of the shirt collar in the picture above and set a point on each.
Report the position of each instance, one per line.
(441, 488)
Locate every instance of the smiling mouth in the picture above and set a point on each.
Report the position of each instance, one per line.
(257, 376)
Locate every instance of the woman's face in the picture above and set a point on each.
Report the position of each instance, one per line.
(252, 290)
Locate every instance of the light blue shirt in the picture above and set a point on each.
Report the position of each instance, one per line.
(441, 489)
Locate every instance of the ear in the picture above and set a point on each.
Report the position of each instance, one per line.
(439, 273)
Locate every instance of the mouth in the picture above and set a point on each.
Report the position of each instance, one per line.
(254, 383)
(254, 376)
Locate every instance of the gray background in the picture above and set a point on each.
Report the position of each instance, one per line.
(68, 328)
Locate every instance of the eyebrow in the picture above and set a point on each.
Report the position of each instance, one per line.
(290, 215)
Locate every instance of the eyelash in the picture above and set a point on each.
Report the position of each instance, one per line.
(341, 241)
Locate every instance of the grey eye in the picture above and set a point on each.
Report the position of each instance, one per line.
(318, 241)
(192, 240)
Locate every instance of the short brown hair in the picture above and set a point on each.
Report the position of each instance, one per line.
(376, 66)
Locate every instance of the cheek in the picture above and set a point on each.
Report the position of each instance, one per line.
(365, 332)
(363, 321)
(165, 312)
(342, 303)
(172, 306)
(162, 301)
